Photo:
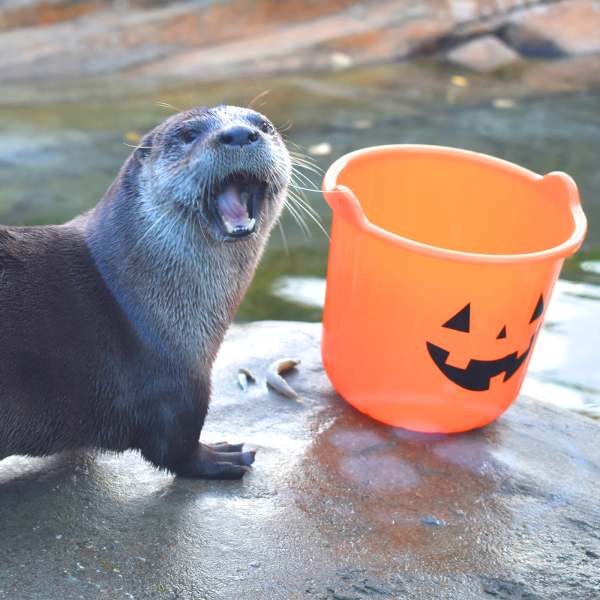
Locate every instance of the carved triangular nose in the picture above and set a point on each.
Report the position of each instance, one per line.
(238, 135)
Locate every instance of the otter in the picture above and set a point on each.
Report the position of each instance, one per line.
(110, 323)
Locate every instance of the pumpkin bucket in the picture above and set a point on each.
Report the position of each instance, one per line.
(442, 263)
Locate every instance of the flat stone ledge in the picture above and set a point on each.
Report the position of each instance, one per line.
(337, 506)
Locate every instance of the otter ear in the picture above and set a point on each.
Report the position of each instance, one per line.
(144, 148)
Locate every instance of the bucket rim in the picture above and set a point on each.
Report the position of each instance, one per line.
(345, 204)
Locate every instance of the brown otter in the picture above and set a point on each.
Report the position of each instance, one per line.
(109, 324)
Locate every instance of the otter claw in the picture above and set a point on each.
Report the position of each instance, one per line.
(247, 458)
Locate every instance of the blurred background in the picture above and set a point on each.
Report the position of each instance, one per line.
(80, 82)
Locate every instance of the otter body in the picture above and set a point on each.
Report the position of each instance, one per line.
(109, 324)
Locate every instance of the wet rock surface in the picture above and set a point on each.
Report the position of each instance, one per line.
(338, 506)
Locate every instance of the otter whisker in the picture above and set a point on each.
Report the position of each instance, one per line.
(300, 197)
(277, 175)
(301, 223)
(289, 142)
(296, 169)
(311, 213)
(253, 102)
(166, 234)
(308, 167)
(178, 167)
(303, 176)
(303, 162)
(301, 154)
(304, 206)
(287, 251)
(303, 189)
(297, 185)
(149, 230)
(285, 127)
(189, 221)
(185, 159)
(169, 106)
(202, 229)
(301, 159)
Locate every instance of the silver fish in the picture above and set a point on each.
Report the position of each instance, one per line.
(244, 376)
(277, 382)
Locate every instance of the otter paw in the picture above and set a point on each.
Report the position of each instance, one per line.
(217, 461)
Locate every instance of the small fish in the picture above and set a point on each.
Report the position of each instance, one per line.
(277, 382)
(244, 376)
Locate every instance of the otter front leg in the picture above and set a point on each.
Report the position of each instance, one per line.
(179, 451)
(215, 461)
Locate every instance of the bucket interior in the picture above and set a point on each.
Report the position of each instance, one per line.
(457, 203)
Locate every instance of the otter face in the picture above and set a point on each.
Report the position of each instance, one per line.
(225, 167)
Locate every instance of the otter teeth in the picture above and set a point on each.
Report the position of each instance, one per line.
(248, 226)
(232, 205)
(227, 224)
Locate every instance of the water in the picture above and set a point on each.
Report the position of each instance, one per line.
(61, 146)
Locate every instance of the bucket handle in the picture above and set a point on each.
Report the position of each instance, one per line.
(345, 204)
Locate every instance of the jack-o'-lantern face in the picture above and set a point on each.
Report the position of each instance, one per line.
(476, 377)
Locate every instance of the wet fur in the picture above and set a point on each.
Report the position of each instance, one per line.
(109, 324)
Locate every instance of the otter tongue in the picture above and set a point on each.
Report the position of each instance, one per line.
(231, 208)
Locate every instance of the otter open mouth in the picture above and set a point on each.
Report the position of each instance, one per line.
(235, 205)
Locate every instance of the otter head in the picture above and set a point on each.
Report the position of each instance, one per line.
(225, 168)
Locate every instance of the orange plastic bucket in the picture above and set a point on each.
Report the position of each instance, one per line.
(441, 266)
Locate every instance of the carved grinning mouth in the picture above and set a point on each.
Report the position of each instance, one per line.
(476, 377)
(235, 205)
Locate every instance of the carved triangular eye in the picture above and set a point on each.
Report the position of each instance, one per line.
(539, 309)
(460, 321)
(502, 334)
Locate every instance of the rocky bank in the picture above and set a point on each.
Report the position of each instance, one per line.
(220, 39)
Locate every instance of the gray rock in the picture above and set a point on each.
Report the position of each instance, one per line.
(484, 54)
(332, 508)
(573, 26)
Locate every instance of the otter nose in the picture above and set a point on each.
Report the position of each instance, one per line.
(238, 135)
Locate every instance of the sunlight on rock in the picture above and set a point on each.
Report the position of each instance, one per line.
(503, 103)
(322, 149)
(591, 266)
(340, 61)
(303, 290)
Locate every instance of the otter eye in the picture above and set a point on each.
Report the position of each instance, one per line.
(189, 136)
(265, 127)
